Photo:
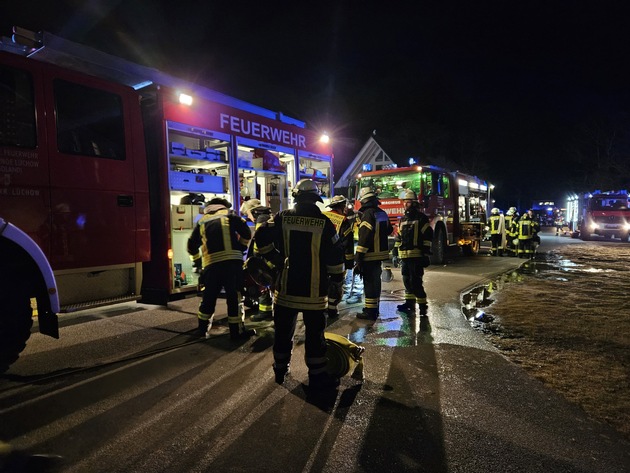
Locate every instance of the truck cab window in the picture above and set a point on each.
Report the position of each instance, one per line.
(89, 121)
(17, 109)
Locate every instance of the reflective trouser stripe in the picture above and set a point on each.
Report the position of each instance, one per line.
(371, 303)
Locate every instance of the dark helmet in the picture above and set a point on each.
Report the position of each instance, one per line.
(219, 201)
(306, 191)
(338, 200)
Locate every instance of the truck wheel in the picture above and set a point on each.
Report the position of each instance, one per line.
(438, 248)
(472, 249)
(15, 321)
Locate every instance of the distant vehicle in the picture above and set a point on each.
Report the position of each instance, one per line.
(103, 167)
(456, 203)
(597, 213)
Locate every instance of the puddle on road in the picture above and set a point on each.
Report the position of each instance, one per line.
(475, 301)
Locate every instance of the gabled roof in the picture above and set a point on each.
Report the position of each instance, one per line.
(371, 153)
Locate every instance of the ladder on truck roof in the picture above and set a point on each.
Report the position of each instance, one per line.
(46, 47)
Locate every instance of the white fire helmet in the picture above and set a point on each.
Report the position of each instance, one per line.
(365, 194)
(495, 211)
(337, 200)
(306, 190)
(409, 195)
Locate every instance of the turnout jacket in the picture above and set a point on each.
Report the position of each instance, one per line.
(415, 235)
(345, 231)
(374, 229)
(222, 236)
(304, 246)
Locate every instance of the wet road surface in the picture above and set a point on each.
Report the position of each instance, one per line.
(131, 389)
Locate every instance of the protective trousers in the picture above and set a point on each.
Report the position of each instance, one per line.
(284, 320)
(412, 273)
(372, 286)
(229, 276)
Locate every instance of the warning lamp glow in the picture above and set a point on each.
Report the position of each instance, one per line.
(324, 138)
(169, 253)
(185, 99)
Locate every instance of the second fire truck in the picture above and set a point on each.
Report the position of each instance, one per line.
(456, 203)
(599, 214)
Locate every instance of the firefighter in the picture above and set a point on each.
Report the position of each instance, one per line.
(497, 232)
(413, 247)
(526, 231)
(511, 231)
(258, 213)
(303, 245)
(223, 237)
(337, 215)
(371, 250)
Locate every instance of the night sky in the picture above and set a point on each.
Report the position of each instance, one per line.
(533, 96)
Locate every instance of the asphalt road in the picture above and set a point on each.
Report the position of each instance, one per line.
(128, 388)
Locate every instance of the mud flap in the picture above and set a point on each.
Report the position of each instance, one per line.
(48, 324)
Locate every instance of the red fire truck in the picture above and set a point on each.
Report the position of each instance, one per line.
(605, 214)
(456, 203)
(103, 165)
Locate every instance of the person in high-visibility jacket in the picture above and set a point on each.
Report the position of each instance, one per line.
(497, 232)
(337, 215)
(303, 245)
(413, 247)
(372, 249)
(511, 231)
(223, 237)
(526, 232)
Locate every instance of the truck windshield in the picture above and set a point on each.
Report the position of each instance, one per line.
(392, 185)
(610, 204)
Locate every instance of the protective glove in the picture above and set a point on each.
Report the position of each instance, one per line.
(358, 265)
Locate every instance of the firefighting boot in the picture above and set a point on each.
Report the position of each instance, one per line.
(333, 313)
(367, 314)
(202, 329)
(239, 332)
(281, 372)
(409, 306)
(262, 315)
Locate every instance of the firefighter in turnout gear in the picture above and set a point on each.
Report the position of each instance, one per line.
(303, 245)
(371, 250)
(413, 247)
(526, 232)
(511, 231)
(337, 215)
(497, 232)
(259, 214)
(223, 237)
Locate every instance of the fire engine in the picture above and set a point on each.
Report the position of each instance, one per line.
(456, 203)
(606, 214)
(103, 166)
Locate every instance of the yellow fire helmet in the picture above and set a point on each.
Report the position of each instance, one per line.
(343, 356)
